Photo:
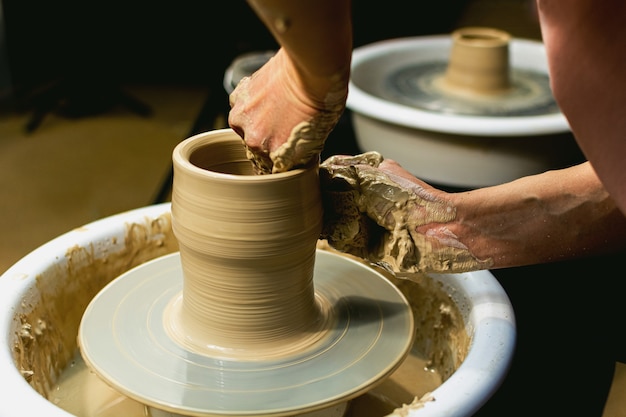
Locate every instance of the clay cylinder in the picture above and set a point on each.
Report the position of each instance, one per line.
(247, 246)
(479, 61)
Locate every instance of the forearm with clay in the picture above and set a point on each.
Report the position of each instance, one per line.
(375, 212)
(556, 215)
(379, 212)
(316, 49)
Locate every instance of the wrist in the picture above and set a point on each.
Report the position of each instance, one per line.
(323, 90)
(327, 92)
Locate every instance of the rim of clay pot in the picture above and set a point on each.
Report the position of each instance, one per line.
(490, 321)
(527, 54)
(183, 156)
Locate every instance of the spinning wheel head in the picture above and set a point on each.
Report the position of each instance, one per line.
(124, 339)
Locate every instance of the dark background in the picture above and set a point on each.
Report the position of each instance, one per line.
(183, 41)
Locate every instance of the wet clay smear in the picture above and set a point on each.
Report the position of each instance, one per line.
(47, 323)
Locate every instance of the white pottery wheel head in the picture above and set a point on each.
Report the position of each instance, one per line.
(123, 338)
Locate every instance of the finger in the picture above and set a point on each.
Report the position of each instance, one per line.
(392, 167)
(238, 130)
(368, 158)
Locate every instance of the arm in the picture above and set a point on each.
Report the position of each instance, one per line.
(586, 47)
(557, 215)
(573, 212)
(317, 36)
(286, 110)
(552, 216)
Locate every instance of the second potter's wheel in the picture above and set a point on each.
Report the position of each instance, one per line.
(123, 338)
(421, 85)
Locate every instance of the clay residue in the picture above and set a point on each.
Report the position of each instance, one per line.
(47, 324)
(299, 149)
(417, 403)
(440, 329)
(441, 337)
(306, 141)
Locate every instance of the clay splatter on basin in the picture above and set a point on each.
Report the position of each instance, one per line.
(462, 321)
(47, 322)
(45, 342)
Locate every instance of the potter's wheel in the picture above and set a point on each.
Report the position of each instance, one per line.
(476, 80)
(403, 82)
(123, 338)
(421, 85)
(467, 110)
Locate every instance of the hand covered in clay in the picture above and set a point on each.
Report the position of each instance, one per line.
(283, 117)
(376, 210)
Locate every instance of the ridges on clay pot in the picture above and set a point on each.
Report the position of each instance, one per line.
(247, 247)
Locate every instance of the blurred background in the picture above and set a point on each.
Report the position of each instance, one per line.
(94, 97)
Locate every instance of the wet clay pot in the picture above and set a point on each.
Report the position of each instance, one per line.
(244, 237)
(464, 323)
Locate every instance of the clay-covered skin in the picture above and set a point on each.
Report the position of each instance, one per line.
(304, 143)
(283, 129)
(303, 146)
(374, 214)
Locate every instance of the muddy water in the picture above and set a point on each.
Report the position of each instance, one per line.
(82, 393)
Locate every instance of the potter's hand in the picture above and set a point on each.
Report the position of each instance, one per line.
(376, 210)
(283, 116)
